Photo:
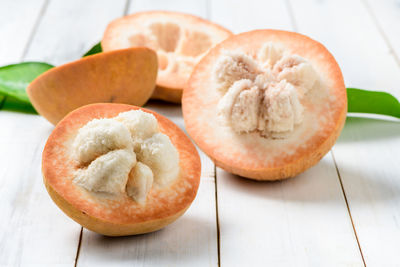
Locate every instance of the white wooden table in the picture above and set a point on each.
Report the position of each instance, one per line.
(343, 212)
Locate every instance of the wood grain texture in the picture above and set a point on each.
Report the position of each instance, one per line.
(18, 20)
(34, 232)
(362, 54)
(192, 239)
(31, 227)
(240, 16)
(386, 15)
(198, 8)
(299, 222)
(367, 151)
(69, 28)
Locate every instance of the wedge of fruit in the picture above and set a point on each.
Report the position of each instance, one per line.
(179, 39)
(125, 76)
(266, 104)
(120, 170)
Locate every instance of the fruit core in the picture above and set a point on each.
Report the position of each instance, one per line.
(264, 93)
(124, 154)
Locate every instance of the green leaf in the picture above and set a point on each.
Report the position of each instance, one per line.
(15, 78)
(2, 99)
(13, 104)
(94, 50)
(364, 101)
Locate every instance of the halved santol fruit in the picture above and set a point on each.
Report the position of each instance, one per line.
(266, 104)
(179, 39)
(120, 170)
(126, 76)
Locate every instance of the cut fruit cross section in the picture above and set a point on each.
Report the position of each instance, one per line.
(277, 100)
(179, 39)
(100, 201)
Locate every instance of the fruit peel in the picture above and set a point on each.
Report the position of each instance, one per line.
(123, 76)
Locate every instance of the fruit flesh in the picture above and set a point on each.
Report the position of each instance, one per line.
(252, 155)
(179, 39)
(119, 214)
(107, 151)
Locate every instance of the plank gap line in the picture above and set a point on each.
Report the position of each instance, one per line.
(35, 27)
(217, 217)
(127, 6)
(78, 250)
(348, 207)
(291, 15)
(381, 31)
(295, 26)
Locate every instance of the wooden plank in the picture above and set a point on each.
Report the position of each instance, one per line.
(361, 53)
(299, 222)
(34, 232)
(386, 15)
(70, 28)
(24, 202)
(366, 154)
(30, 224)
(368, 160)
(192, 239)
(240, 16)
(198, 8)
(17, 19)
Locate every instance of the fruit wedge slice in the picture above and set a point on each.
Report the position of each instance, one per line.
(266, 104)
(126, 76)
(179, 39)
(117, 214)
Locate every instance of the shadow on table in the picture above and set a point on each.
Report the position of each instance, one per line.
(165, 108)
(170, 110)
(358, 129)
(175, 243)
(318, 184)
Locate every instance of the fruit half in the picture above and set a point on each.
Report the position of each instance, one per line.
(179, 39)
(265, 104)
(126, 76)
(116, 214)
